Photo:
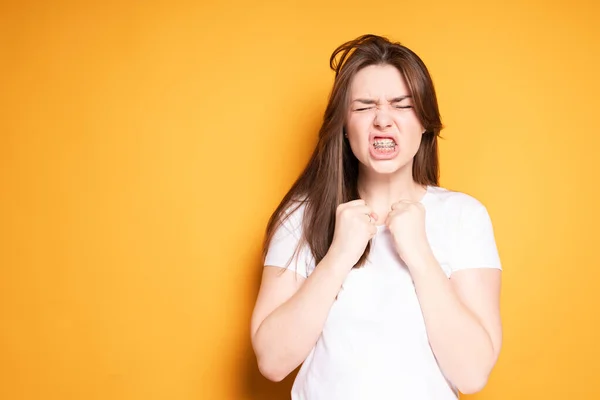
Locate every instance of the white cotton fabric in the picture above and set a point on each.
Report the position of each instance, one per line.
(374, 344)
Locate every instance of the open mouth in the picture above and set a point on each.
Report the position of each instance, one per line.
(384, 145)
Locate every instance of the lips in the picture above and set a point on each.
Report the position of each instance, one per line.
(381, 137)
(383, 148)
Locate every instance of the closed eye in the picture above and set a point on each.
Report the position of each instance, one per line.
(363, 109)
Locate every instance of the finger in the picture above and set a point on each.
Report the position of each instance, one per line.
(397, 205)
(391, 215)
(357, 202)
(401, 204)
(362, 209)
(352, 203)
(406, 201)
(372, 218)
(373, 231)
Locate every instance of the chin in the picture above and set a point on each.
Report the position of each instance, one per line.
(387, 167)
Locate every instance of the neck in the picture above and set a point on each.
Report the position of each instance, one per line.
(380, 191)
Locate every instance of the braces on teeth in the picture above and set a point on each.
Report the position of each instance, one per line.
(384, 145)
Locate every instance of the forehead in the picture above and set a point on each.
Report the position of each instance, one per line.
(379, 81)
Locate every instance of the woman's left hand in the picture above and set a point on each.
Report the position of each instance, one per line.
(406, 223)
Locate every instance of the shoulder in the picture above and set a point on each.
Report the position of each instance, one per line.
(287, 247)
(467, 229)
(290, 220)
(293, 214)
(452, 201)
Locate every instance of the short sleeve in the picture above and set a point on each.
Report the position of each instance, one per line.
(281, 251)
(475, 242)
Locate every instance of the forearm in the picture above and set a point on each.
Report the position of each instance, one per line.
(460, 343)
(284, 339)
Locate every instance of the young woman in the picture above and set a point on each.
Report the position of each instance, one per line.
(382, 284)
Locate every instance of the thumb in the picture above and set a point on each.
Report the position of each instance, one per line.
(387, 219)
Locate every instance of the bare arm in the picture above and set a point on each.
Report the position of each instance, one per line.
(462, 314)
(290, 313)
(462, 318)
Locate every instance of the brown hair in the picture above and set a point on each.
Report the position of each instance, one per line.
(330, 177)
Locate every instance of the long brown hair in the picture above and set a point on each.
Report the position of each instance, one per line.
(331, 175)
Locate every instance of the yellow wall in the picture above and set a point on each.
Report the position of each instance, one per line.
(144, 145)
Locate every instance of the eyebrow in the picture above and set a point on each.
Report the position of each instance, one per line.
(371, 101)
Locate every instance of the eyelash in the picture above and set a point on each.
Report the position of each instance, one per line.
(368, 108)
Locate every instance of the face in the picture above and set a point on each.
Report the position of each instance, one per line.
(382, 127)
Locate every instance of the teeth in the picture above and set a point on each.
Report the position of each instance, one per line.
(384, 144)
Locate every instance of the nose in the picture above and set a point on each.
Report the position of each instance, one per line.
(382, 118)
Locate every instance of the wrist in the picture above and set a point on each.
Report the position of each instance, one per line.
(419, 258)
(338, 259)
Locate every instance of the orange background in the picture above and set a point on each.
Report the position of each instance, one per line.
(145, 144)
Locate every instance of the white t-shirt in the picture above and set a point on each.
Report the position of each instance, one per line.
(374, 344)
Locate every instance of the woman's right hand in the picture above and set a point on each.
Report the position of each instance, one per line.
(354, 227)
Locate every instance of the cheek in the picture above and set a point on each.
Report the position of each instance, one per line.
(415, 141)
(357, 125)
(357, 129)
(411, 127)
(408, 120)
(410, 135)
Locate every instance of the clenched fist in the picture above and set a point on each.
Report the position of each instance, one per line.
(406, 223)
(354, 227)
